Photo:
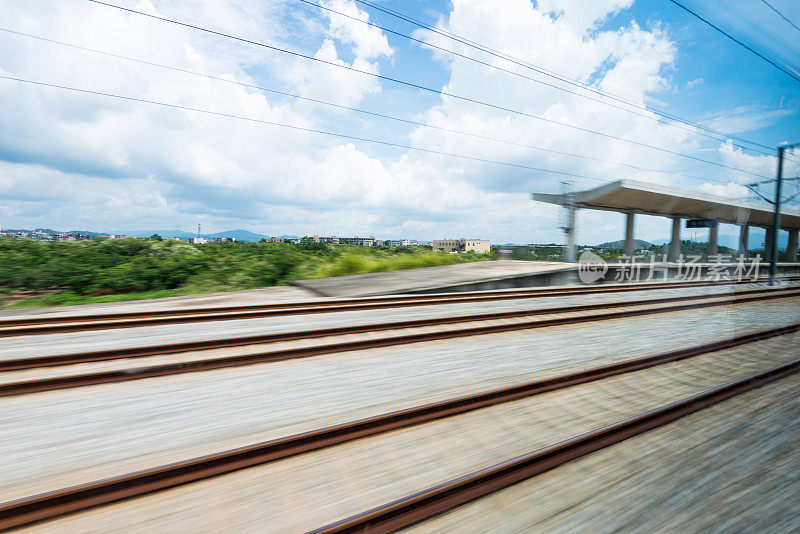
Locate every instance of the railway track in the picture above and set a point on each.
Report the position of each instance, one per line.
(137, 373)
(176, 348)
(451, 494)
(31, 510)
(81, 323)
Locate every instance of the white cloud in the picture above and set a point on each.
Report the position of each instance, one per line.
(582, 16)
(736, 157)
(745, 118)
(697, 82)
(368, 42)
(367, 45)
(729, 190)
(638, 56)
(111, 164)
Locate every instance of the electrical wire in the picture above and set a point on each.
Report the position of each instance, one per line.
(302, 128)
(546, 72)
(494, 52)
(308, 130)
(781, 15)
(424, 88)
(358, 110)
(541, 70)
(792, 75)
(695, 128)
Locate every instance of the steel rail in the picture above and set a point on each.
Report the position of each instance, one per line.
(443, 497)
(176, 348)
(167, 369)
(30, 510)
(80, 323)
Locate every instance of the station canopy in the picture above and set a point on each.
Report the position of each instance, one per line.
(631, 196)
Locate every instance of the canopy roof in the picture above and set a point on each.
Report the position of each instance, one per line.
(639, 197)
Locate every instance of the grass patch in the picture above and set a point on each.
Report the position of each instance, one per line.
(70, 298)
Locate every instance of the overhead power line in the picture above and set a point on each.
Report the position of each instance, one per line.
(781, 15)
(301, 128)
(496, 53)
(309, 130)
(695, 128)
(791, 74)
(541, 70)
(427, 89)
(358, 110)
(546, 72)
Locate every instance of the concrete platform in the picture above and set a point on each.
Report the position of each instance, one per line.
(446, 278)
(509, 274)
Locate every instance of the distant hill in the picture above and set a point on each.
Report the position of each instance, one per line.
(239, 235)
(732, 241)
(42, 230)
(637, 243)
(162, 233)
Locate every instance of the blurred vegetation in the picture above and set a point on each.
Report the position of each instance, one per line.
(122, 269)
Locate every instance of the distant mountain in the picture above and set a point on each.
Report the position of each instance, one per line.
(637, 243)
(42, 230)
(239, 235)
(732, 241)
(162, 233)
(288, 236)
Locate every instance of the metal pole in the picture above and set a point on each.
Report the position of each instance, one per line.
(776, 220)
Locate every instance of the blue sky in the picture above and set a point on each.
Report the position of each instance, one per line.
(71, 160)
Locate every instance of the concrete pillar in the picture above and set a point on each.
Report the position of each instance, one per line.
(791, 247)
(629, 244)
(675, 242)
(768, 239)
(744, 237)
(570, 231)
(713, 232)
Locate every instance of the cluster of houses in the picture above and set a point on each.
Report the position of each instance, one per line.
(364, 241)
(444, 245)
(49, 235)
(204, 240)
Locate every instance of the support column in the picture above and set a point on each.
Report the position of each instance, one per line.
(744, 237)
(791, 247)
(713, 233)
(675, 242)
(629, 244)
(569, 229)
(768, 239)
